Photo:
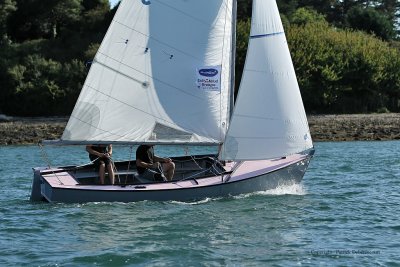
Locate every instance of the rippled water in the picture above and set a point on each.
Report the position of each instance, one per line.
(346, 212)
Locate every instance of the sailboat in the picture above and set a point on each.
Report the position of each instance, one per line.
(163, 75)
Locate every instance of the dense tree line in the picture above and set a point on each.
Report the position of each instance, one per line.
(346, 52)
(44, 46)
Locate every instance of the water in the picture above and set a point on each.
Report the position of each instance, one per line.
(346, 212)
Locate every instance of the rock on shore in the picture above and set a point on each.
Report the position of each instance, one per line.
(385, 126)
(355, 127)
(16, 131)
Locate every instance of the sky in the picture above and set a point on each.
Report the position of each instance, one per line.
(113, 2)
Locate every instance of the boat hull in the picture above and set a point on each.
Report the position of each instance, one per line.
(246, 177)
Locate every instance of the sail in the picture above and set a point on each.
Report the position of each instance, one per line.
(269, 119)
(161, 75)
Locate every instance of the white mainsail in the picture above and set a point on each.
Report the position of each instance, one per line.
(144, 85)
(269, 119)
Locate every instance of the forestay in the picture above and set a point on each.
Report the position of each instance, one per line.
(161, 75)
(269, 119)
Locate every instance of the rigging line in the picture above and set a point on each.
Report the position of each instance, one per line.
(112, 162)
(194, 175)
(129, 163)
(175, 160)
(194, 160)
(44, 156)
(217, 172)
(112, 166)
(141, 72)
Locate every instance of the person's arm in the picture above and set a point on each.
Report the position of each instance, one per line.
(109, 149)
(162, 160)
(146, 165)
(90, 150)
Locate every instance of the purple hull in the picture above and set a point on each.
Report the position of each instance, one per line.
(56, 185)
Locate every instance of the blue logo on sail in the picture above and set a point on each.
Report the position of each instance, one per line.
(208, 72)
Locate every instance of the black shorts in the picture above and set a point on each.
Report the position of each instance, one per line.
(97, 161)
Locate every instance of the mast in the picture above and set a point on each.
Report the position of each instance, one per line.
(233, 59)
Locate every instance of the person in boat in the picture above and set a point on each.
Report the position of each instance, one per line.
(152, 167)
(100, 155)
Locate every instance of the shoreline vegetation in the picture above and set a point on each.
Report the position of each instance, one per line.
(349, 127)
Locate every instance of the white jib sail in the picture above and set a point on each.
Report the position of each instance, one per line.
(269, 119)
(143, 85)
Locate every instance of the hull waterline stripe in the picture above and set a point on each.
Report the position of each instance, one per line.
(265, 35)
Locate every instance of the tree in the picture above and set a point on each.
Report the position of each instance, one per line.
(59, 13)
(303, 16)
(44, 87)
(341, 71)
(392, 10)
(244, 9)
(321, 6)
(43, 18)
(287, 7)
(371, 21)
(95, 12)
(6, 8)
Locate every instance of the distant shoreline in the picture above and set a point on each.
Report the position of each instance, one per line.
(350, 127)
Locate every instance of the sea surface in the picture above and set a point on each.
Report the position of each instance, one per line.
(346, 212)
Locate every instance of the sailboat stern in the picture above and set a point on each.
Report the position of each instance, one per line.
(36, 182)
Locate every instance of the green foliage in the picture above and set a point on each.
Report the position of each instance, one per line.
(40, 73)
(242, 37)
(94, 16)
(344, 71)
(305, 15)
(91, 51)
(370, 21)
(44, 87)
(35, 83)
(44, 44)
(6, 8)
(43, 18)
(243, 9)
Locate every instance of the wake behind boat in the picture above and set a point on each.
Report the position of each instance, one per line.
(164, 75)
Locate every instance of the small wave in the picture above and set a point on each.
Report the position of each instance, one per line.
(292, 189)
(198, 202)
